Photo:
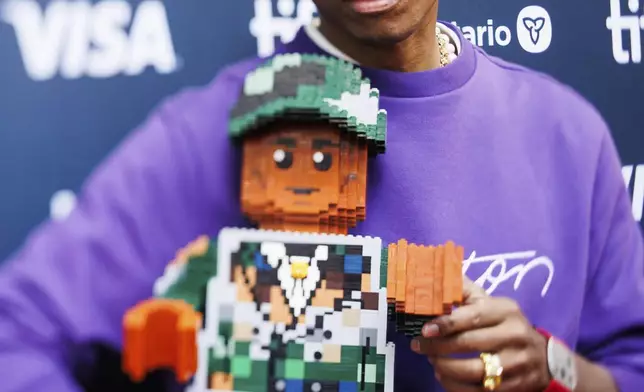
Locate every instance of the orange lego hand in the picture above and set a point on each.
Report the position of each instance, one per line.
(161, 333)
(423, 282)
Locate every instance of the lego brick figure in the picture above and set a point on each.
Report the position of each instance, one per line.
(297, 304)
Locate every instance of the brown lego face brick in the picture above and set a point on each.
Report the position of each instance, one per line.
(370, 301)
(263, 293)
(335, 280)
(304, 176)
(326, 295)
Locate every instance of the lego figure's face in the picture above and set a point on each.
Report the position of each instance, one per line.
(303, 174)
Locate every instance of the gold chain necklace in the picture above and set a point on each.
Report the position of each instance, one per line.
(442, 47)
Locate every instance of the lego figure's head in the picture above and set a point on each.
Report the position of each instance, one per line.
(307, 125)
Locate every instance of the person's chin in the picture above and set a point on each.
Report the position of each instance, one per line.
(381, 35)
(379, 25)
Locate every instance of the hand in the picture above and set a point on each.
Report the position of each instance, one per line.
(485, 324)
(171, 321)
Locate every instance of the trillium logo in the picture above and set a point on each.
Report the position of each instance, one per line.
(534, 29)
(534, 26)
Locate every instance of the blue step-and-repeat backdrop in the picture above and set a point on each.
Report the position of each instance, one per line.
(77, 76)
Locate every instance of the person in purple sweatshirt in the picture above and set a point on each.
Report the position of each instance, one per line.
(503, 160)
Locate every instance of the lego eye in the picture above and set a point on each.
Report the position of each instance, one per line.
(322, 161)
(283, 159)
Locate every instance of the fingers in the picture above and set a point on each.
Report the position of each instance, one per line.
(467, 371)
(474, 341)
(471, 291)
(485, 312)
(467, 374)
(510, 385)
(451, 385)
(471, 370)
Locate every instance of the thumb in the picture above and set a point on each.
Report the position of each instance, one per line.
(471, 291)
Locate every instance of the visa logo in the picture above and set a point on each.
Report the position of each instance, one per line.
(75, 39)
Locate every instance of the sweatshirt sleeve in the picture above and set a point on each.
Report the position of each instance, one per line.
(73, 280)
(612, 321)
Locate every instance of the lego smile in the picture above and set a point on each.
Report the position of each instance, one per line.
(372, 6)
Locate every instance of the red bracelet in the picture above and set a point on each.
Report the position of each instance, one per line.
(561, 364)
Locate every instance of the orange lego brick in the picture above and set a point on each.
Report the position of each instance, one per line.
(458, 277)
(161, 333)
(410, 292)
(414, 278)
(418, 262)
(437, 303)
(448, 277)
(391, 273)
(401, 275)
(425, 287)
(423, 295)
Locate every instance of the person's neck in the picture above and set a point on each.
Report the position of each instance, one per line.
(418, 52)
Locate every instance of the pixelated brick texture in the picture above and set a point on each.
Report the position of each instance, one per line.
(186, 277)
(357, 369)
(267, 342)
(422, 282)
(311, 88)
(339, 214)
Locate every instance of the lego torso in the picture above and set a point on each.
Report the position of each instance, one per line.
(293, 311)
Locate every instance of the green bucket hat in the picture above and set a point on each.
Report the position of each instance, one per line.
(310, 88)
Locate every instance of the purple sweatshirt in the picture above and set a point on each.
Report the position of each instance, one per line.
(505, 161)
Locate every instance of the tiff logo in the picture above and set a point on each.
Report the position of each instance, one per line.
(632, 25)
(265, 26)
(634, 179)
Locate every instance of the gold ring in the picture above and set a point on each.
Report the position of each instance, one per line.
(493, 371)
